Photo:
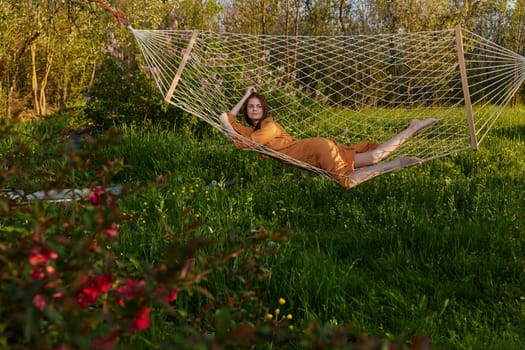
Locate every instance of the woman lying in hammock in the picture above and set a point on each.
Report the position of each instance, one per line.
(349, 165)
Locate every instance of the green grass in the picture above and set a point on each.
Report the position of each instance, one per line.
(437, 249)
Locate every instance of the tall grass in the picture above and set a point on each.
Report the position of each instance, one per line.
(437, 249)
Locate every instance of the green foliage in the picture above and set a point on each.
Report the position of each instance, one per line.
(430, 250)
(261, 255)
(137, 267)
(122, 92)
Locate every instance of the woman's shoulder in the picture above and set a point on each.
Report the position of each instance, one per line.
(271, 125)
(268, 121)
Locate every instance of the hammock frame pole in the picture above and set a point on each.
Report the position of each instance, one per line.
(183, 62)
(466, 91)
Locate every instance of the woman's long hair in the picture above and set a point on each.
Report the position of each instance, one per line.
(264, 106)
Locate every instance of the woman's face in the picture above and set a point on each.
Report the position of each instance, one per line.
(254, 109)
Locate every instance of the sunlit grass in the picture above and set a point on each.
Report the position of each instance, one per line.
(437, 249)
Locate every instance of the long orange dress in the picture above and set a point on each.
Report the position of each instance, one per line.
(324, 153)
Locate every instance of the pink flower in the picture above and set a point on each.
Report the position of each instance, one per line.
(112, 230)
(41, 263)
(107, 342)
(103, 282)
(129, 291)
(37, 273)
(141, 321)
(92, 289)
(95, 196)
(172, 296)
(39, 301)
(41, 258)
(50, 269)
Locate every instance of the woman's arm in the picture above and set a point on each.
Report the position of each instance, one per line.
(227, 125)
(237, 134)
(223, 118)
(239, 131)
(235, 110)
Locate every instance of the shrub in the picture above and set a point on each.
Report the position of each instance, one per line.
(122, 92)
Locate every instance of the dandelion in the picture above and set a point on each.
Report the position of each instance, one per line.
(282, 301)
(289, 316)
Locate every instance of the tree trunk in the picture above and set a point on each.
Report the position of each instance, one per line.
(39, 88)
(34, 79)
(43, 83)
(341, 16)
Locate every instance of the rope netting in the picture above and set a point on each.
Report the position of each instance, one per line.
(348, 88)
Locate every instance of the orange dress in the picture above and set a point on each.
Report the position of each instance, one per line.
(324, 153)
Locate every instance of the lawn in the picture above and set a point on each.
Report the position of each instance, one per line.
(437, 249)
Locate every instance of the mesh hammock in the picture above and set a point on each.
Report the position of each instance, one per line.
(347, 88)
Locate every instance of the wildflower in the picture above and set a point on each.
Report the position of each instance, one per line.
(41, 261)
(269, 316)
(172, 296)
(107, 342)
(129, 291)
(282, 301)
(95, 196)
(141, 321)
(39, 301)
(41, 258)
(112, 230)
(93, 288)
(289, 316)
(277, 312)
(37, 273)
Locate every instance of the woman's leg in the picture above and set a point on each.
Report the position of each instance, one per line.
(386, 148)
(368, 172)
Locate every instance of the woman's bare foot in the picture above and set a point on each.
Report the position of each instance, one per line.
(418, 124)
(406, 161)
